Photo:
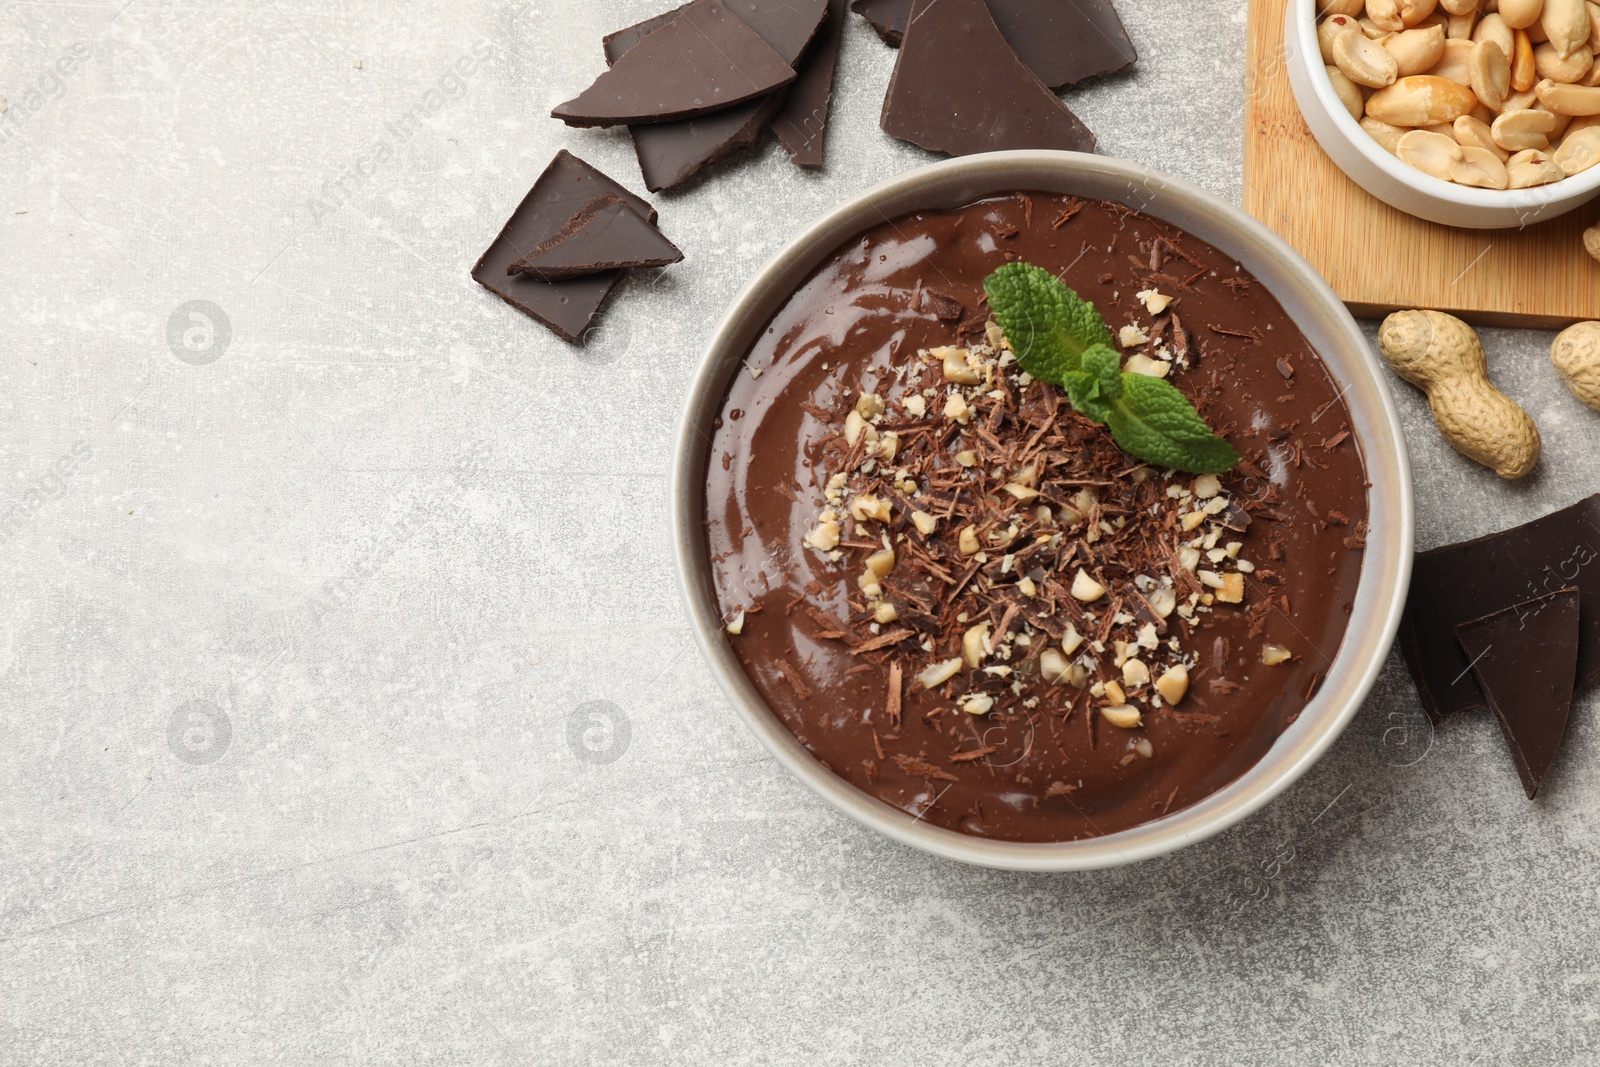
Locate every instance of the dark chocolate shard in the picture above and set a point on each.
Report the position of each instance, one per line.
(1062, 42)
(672, 152)
(959, 88)
(888, 17)
(605, 234)
(802, 124)
(568, 308)
(705, 59)
(1526, 660)
(1459, 583)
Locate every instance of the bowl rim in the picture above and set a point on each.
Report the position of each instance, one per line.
(1327, 324)
(1305, 23)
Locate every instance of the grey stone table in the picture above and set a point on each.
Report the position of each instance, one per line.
(350, 714)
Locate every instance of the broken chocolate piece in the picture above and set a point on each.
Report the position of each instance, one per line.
(705, 59)
(958, 87)
(566, 185)
(1459, 583)
(1062, 43)
(672, 152)
(605, 234)
(1526, 659)
(802, 124)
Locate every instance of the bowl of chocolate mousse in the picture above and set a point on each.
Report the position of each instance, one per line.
(942, 593)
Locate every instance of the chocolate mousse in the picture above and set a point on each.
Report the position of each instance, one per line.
(962, 596)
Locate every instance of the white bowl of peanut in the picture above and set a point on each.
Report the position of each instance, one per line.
(1469, 113)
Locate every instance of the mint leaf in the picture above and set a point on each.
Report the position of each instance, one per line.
(1049, 326)
(1103, 364)
(1155, 422)
(1083, 389)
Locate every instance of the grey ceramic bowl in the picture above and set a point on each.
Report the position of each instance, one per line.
(1304, 295)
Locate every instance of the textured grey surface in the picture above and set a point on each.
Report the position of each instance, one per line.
(396, 541)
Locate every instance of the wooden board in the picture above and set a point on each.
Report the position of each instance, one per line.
(1379, 259)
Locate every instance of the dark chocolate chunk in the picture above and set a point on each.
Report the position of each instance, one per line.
(566, 185)
(1526, 659)
(605, 234)
(1063, 43)
(802, 124)
(705, 59)
(959, 88)
(671, 152)
(1459, 583)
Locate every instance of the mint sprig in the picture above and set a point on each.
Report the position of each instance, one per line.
(1060, 338)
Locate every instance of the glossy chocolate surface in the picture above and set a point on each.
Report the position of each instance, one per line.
(1256, 379)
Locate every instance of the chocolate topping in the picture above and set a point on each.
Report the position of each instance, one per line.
(1526, 660)
(672, 152)
(605, 234)
(705, 59)
(1459, 583)
(1063, 43)
(1058, 769)
(958, 87)
(802, 124)
(568, 307)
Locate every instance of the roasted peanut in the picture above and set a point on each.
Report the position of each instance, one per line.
(1431, 153)
(1385, 14)
(1472, 132)
(1347, 92)
(1330, 28)
(1518, 130)
(1455, 62)
(1416, 12)
(1461, 7)
(1478, 167)
(1531, 168)
(1493, 28)
(1386, 135)
(1340, 7)
(1578, 151)
(1440, 355)
(1568, 99)
(1576, 356)
(1549, 63)
(1520, 14)
(1565, 24)
(1489, 74)
(1364, 62)
(1416, 51)
(1421, 100)
(1523, 72)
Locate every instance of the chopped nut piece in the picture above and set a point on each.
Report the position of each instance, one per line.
(885, 612)
(736, 627)
(915, 406)
(968, 540)
(1122, 716)
(855, 426)
(940, 673)
(1132, 336)
(1150, 368)
(1085, 588)
(1053, 666)
(1272, 655)
(865, 508)
(967, 458)
(958, 366)
(825, 538)
(924, 523)
(1115, 694)
(1025, 493)
(1192, 520)
(1232, 589)
(1162, 601)
(1209, 579)
(1174, 685)
(956, 408)
(975, 644)
(1207, 486)
(1072, 640)
(881, 562)
(1027, 587)
(1135, 673)
(978, 704)
(1144, 747)
(868, 584)
(1246, 566)
(1153, 301)
(869, 405)
(889, 446)
(995, 335)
